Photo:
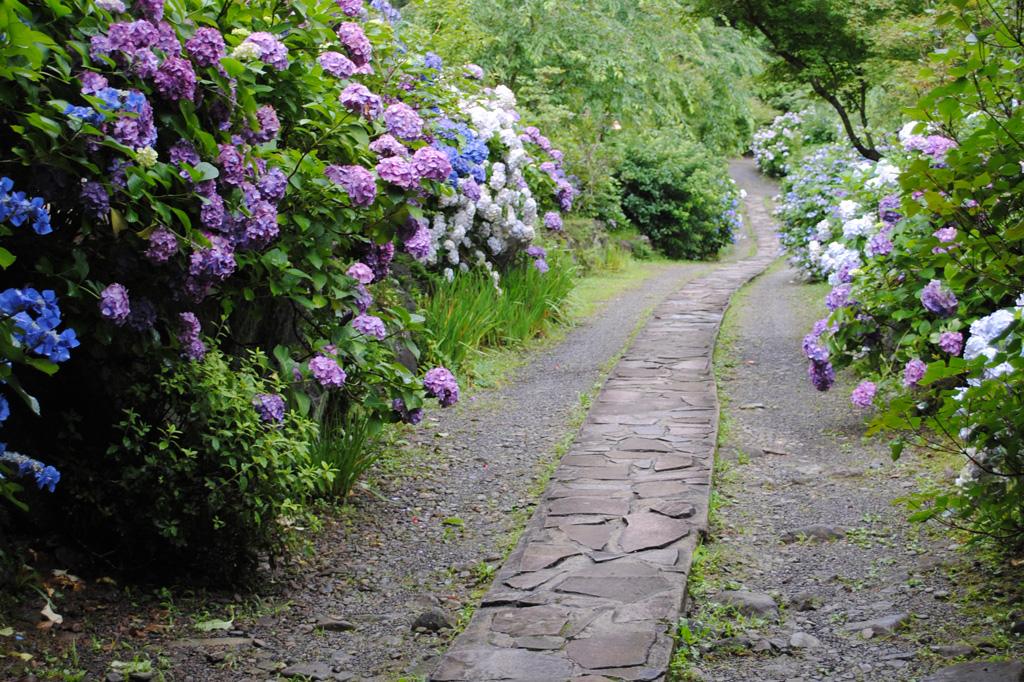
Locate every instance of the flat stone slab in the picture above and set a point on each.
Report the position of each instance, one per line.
(612, 650)
(599, 575)
(651, 531)
(982, 671)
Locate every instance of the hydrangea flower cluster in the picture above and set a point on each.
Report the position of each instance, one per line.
(774, 145)
(35, 316)
(327, 371)
(17, 209)
(46, 477)
(270, 407)
(440, 383)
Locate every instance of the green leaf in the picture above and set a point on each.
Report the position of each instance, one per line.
(6, 258)
(214, 624)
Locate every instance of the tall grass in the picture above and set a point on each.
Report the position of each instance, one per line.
(470, 313)
(344, 450)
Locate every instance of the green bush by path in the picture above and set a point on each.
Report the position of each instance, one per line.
(680, 196)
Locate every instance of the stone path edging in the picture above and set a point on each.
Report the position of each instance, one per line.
(599, 575)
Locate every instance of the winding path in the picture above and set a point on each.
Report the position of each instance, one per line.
(599, 575)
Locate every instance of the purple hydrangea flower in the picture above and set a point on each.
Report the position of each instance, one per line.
(813, 349)
(951, 342)
(358, 182)
(879, 245)
(273, 52)
(270, 407)
(913, 372)
(95, 199)
(864, 394)
(398, 171)
(379, 257)
(361, 272)
(363, 298)
(92, 82)
(273, 184)
(232, 165)
(821, 374)
(433, 61)
(541, 265)
(268, 126)
(839, 297)
(175, 79)
(369, 325)
(327, 372)
(403, 122)
(336, 64)
(167, 39)
(386, 145)
(945, 234)
(431, 163)
(206, 47)
(192, 346)
(475, 72)
(212, 213)
(440, 383)
(887, 209)
(536, 252)
(114, 303)
(214, 263)
(355, 41)
(553, 221)
(408, 416)
(261, 228)
(938, 299)
(112, 6)
(143, 315)
(356, 97)
(184, 151)
(352, 8)
(151, 9)
(139, 131)
(162, 245)
(419, 245)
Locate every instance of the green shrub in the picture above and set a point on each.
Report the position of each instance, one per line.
(680, 196)
(205, 472)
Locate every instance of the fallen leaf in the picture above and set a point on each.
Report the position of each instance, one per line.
(51, 617)
(214, 624)
(6, 632)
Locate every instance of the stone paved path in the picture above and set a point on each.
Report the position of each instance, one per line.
(599, 575)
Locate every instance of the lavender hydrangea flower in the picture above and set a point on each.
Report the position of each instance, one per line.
(356, 97)
(361, 272)
(273, 52)
(913, 372)
(336, 64)
(114, 303)
(212, 213)
(553, 221)
(431, 164)
(370, 325)
(270, 407)
(162, 245)
(92, 82)
(440, 383)
(398, 171)
(206, 47)
(192, 346)
(112, 6)
(391, 15)
(327, 372)
(352, 8)
(387, 145)
(946, 234)
(419, 245)
(185, 152)
(363, 298)
(138, 132)
(951, 342)
(535, 251)
(887, 209)
(268, 126)
(175, 80)
(403, 122)
(356, 43)
(95, 199)
(413, 417)
(864, 394)
(474, 71)
(470, 188)
(938, 299)
(839, 297)
(358, 182)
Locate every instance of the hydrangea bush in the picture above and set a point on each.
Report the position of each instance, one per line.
(927, 264)
(776, 145)
(233, 177)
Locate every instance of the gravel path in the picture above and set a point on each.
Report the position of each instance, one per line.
(877, 604)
